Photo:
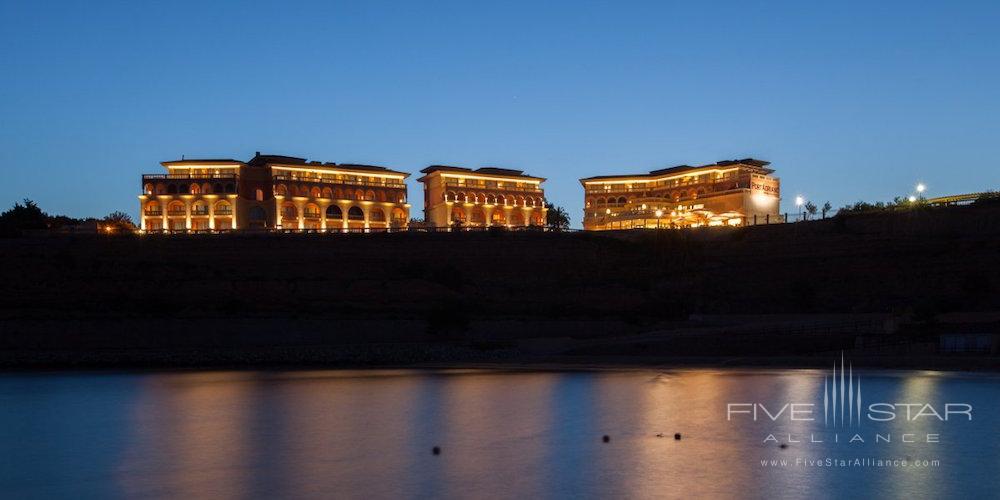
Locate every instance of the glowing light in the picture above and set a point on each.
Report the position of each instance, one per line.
(912, 198)
(921, 187)
(799, 201)
(607, 211)
(659, 213)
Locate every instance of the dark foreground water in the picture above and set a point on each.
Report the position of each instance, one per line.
(338, 434)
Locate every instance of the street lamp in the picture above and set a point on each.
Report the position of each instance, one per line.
(659, 213)
(799, 201)
(921, 187)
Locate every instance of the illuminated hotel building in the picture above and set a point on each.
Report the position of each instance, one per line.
(734, 193)
(272, 192)
(482, 197)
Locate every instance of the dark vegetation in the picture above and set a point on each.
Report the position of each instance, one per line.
(29, 218)
(129, 291)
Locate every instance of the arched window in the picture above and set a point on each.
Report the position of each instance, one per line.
(257, 214)
(259, 195)
(217, 188)
(148, 189)
(334, 212)
(232, 189)
(370, 195)
(457, 214)
(172, 189)
(499, 218)
(517, 218)
(161, 188)
(355, 214)
(176, 208)
(153, 208)
(311, 211)
(281, 190)
(195, 189)
(359, 194)
(315, 192)
(199, 207)
(376, 214)
(222, 207)
(327, 193)
(478, 216)
(338, 194)
(380, 195)
(398, 217)
(288, 211)
(622, 200)
(206, 188)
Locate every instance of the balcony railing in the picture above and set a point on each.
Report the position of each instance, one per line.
(484, 187)
(177, 212)
(156, 177)
(199, 211)
(223, 212)
(742, 184)
(344, 182)
(311, 215)
(153, 213)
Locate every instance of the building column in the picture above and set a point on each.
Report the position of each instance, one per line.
(187, 213)
(164, 203)
(488, 212)
(142, 213)
(526, 214)
(232, 203)
(211, 214)
(506, 213)
(344, 207)
(277, 211)
(366, 209)
(322, 214)
(300, 206)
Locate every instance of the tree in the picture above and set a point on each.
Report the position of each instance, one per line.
(118, 222)
(811, 208)
(826, 208)
(23, 217)
(556, 218)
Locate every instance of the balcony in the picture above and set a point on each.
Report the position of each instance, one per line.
(311, 215)
(199, 212)
(177, 211)
(342, 182)
(721, 184)
(484, 187)
(153, 213)
(223, 212)
(174, 177)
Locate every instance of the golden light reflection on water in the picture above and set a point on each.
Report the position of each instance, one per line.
(321, 434)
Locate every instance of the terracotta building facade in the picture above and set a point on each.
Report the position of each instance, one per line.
(457, 197)
(272, 192)
(732, 192)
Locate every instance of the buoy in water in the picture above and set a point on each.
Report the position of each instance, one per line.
(606, 438)
(435, 450)
(677, 436)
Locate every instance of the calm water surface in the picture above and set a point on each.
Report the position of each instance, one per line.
(349, 434)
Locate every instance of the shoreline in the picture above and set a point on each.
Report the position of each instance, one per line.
(290, 359)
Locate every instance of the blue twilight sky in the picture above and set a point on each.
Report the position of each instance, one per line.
(849, 100)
